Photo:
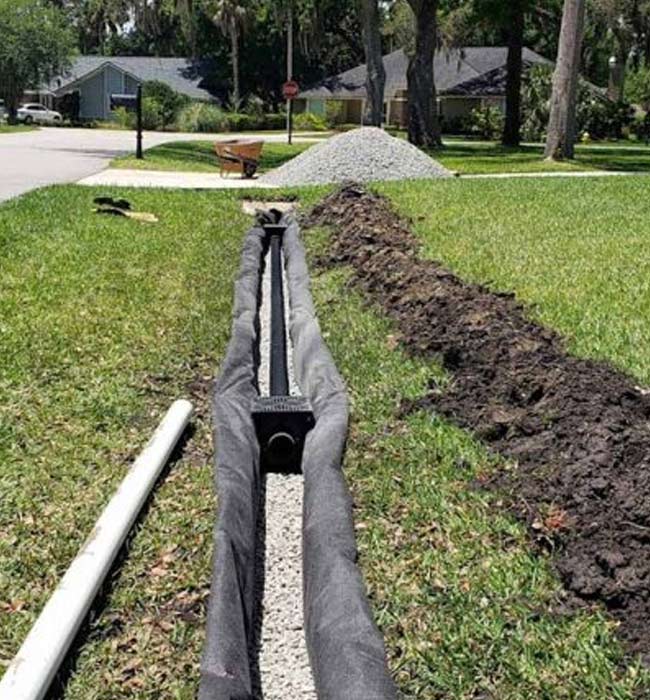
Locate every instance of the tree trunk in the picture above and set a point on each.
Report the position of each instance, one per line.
(376, 75)
(512, 128)
(236, 87)
(562, 122)
(423, 122)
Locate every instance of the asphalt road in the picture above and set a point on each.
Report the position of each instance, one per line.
(57, 155)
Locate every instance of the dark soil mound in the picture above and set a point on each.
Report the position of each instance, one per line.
(577, 429)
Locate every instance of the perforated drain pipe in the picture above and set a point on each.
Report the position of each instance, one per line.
(282, 421)
(31, 672)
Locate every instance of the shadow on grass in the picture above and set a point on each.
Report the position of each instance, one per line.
(491, 157)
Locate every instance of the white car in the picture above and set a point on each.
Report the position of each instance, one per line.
(33, 112)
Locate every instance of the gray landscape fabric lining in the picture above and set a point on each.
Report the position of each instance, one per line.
(345, 647)
(226, 672)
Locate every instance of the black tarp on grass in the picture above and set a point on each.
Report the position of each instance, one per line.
(345, 647)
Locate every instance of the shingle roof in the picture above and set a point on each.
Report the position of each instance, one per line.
(183, 75)
(454, 72)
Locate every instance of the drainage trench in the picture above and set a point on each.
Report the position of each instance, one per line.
(282, 658)
(286, 589)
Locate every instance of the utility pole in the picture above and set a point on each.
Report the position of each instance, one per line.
(290, 73)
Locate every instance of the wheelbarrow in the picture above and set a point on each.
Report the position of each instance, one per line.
(239, 156)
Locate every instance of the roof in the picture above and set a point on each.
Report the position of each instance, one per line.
(183, 75)
(474, 70)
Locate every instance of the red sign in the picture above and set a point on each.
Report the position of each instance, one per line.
(290, 90)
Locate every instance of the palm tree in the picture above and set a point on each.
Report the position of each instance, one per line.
(562, 121)
(232, 17)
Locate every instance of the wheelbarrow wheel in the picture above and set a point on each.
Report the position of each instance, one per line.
(250, 169)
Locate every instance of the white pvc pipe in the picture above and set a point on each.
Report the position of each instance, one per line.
(36, 663)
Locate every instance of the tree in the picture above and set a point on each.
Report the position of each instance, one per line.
(232, 17)
(423, 121)
(560, 140)
(515, 65)
(36, 45)
(497, 21)
(376, 74)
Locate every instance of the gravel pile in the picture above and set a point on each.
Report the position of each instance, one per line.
(283, 660)
(362, 155)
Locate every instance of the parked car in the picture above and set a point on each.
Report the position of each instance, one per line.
(33, 112)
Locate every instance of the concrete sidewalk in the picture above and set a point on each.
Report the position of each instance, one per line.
(114, 177)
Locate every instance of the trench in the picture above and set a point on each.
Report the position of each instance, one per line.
(288, 615)
(282, 660)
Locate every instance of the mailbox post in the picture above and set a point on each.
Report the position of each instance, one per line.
(132, 103)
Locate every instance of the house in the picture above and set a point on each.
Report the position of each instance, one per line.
(465, 78)
(96, 78)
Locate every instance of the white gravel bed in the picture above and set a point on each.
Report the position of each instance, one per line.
(363, 155)
(284, 668)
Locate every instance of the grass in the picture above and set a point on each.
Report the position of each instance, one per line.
(199, 156)
(576, 251)
(481, 157)
(15, 128)
(103, 322)
(467, 610)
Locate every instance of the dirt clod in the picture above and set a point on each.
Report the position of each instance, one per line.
(577, 429)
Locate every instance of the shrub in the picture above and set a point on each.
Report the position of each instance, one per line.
(640, 127)
(69, 105)
(123, 117)
(275, 121)
(307, 121)
(201, 117)
(244, 122)
(334, 113)
(596, 115)
(604, 119)
(637, 87)
(486, 122)
(151, 114)
(170, 102)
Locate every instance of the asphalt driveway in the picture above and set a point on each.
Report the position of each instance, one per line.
(57, 155)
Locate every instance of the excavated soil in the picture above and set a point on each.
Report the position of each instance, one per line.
(578, 430)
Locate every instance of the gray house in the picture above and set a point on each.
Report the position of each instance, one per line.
(474, 76)
(96, 78)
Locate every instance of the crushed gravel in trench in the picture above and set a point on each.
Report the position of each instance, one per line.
(577, 430)
(282, 657)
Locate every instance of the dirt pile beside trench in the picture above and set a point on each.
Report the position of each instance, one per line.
(577, 429)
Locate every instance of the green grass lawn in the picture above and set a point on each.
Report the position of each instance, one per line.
(480, 157)
(467, 610)
(15, 128)
(576, 251)
(103, 323)
(467, 157)
(199, 156)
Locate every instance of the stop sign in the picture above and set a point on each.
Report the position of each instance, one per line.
(290, 90)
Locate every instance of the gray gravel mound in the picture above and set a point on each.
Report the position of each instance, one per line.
(362, 155)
